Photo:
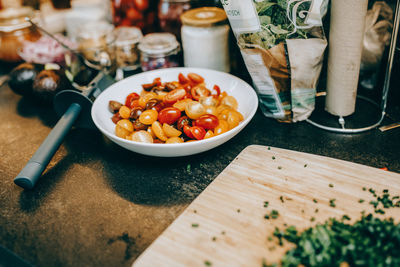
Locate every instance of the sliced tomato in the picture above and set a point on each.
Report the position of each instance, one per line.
(174, 96)
(199, 91)
(157, 81)
(186, 130)
(216, 91)
(195, 78)
(182, 79)
(184, 120)
(130, 98)
(198, 132)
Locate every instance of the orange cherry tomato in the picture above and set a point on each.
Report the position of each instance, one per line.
(195, 78)
(169, 115)
(130, 98)
(207, 121)
(199, 91)
(198, 132)
(174, 96)
(182, 79)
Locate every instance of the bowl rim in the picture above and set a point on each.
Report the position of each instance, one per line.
(213, 139)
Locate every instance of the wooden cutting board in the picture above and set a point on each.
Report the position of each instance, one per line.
(229, 215)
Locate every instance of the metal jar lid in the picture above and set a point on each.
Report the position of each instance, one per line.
(127, 36)
(12, 19)
(159, 44)
(204, 17)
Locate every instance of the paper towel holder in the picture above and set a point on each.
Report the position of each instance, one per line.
(341, 128)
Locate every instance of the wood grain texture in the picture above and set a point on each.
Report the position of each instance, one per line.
(231, 209)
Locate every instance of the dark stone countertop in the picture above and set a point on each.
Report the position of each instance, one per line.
(100, 205)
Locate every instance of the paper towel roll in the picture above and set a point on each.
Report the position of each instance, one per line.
(345, 47)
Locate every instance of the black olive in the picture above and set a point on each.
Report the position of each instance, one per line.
(22, 78)
(47, 84)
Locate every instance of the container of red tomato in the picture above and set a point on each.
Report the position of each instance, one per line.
(139, 13)
(174, 112)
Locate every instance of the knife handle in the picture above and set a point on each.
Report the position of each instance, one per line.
(29, 175)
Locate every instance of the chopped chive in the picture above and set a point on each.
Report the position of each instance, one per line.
(195, 225)
(312, 219)
(279, 168)
(214, 238)
(315, 201)
(361, 201)
(332, 202)
(238, 210)
(266, 203)
(281, 199)
(273, 157)
(331, 185)
(305, 165)
(207, 263)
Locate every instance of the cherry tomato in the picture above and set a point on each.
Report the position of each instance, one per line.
(186, 130)
(135, 113)
(116, 117)
(195, 78)
(216, 91)
(199, 91)
(207, 121)
(169, 115)
(174, 96)
(198, 132)
(184, 120)
(157, 81)
(194, 110)
(133, 14)
(130, 98)
(182, 79)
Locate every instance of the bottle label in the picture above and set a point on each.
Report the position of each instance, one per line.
(242, 15)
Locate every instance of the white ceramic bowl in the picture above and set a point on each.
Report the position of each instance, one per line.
(244, 94)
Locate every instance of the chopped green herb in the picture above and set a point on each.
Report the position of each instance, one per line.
(331, 185)
(214, 238)
(332, 202)
(273, 157)
(274, 214)
(195, 225)
(315, 201)
(238, 210)
(302, 211)
(364, 189)
(281, 199)
(266, 216)
(316, 210)
(266, 203)
(346, 217)
(223, 232)
(279, 168)
(379, 211)
(312, 219)
(361, 201)
(269, 148)
(270, 238)
(207, 263)
(305, 165)
(188, 168)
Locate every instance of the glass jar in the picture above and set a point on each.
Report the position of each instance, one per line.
(205, 38)
(169, 12)
(139, 13)
(126, 49)
(14, 30)
(158, 51)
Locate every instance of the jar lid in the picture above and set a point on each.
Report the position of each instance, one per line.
(127, 35)
(158, 43)
(204, 17)
(12, 19)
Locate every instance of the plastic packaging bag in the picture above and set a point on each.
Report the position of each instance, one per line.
(282, 43)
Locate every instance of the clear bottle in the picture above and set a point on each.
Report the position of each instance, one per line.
(205, 38)
(158, 51)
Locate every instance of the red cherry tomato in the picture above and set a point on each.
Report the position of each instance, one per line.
(169, 115)
(116, 117)
(133, 14)
(141, 4)
(216, 91)
(157, 81)
(186, 130)
(174, 96)
(184, 120)
(199, 91)
(198, 132)
(182, 79)
(195, 78)
(130, 98)
(207, 121)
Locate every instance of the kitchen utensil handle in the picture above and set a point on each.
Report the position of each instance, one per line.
(29, 175)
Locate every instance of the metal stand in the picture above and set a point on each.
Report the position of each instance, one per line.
(342, 121)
